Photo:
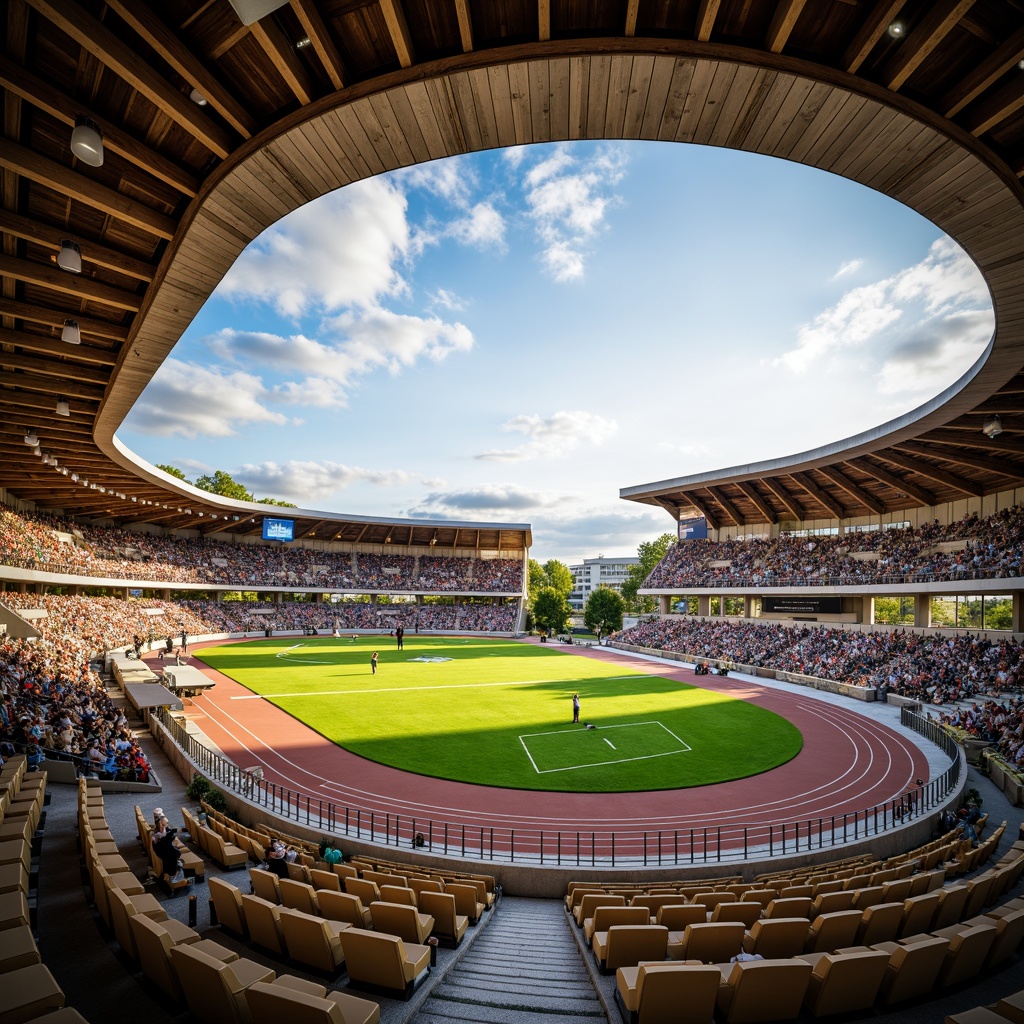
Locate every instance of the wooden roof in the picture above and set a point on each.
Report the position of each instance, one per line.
(319, 93)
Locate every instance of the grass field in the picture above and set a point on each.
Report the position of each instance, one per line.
(499, 713)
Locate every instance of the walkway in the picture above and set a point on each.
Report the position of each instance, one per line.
(524, 967)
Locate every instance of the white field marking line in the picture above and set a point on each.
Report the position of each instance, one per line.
(393, 689)
(601, 764)
(621, 725)
(625, 725)
(534, 763)
(608, 741)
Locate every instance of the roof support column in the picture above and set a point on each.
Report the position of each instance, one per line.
(1018, 611)
(922, 610)
(704, 604)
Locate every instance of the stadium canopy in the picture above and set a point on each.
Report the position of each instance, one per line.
(218, 117)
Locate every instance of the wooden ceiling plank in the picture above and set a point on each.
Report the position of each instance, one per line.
(820, 495)
(228, 41)
(897, 483)
(940, 19)
(881, 16)
(995, 109)
(30, 405)
(544, 20)
(986, 463)
(71, 284)
(789, 503)
(747, 487)
(702, 506)
(853, 489)
(730, 509)
(61, 387)
(56, 317)
(926, 469)
(975, 439)
(66, 109)
(981, 76)
(782, 24)
(92, 252)
(398, 30)
(282, 55)
(68, 182)
(53, 368)
(632, 9)
(320, 37)
(94, 37)
(706, 14)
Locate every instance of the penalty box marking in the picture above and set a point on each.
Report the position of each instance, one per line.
(686, 748)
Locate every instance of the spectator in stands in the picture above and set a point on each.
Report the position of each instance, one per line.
(168, 849)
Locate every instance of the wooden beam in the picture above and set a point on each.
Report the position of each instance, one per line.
(759, 503)
(56, 317)
(92, 252)
(72, 284)
(940, 20)
(669, 506)
(282, 55)
(398, 29)
(703, 508)
(54, 368)
(17, 80)
(68, 182)
(22, 400)
(320, 39)
(544, 20)
(982, 75)
(926, 469)
(789, 503)
(986, 463)
(870, 32)
(632, 8)
(730, 509)
(976, 440)
(997, 108)
(228, 41)
(853, 489)
(86, 392)
(783, 22)
(706, 14)
(94, 37)
(897, 483)
(820, 495)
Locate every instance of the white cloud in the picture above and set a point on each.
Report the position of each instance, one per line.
(945, 282)
(847, 268)
(303, 482)
(482, 226)
(695, 448)
(447, 300)
(554, 435)
(339, 251)
(588, 532)
(567, 202)
(487, 498)
(188, 400)
(451, 178)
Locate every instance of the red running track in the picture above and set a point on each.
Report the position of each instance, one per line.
(849, 762)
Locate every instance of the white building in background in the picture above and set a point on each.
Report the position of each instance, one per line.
(598, 572)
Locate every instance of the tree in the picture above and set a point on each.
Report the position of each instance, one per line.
(275, 501)
(558, 576)
(650, 554)
(551, 610)
(222, 483)
(603, 613)
(173, 471)
(536, 579)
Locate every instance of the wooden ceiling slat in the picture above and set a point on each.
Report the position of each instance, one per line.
(702, 506)
(706, 14)
(988, 464)
(64, 108)
(783, 22)
(729, 508)
(36, 406)
(466, 24)
(992, 111)
(983, 75)
(820, 495)
(66, 371)
(94, 37)
(283, 57)
(398, 29)
(973, 438)
(72, 183)
(937, 473)
(544, 20)
(789, 502)
(870, 32)
(897, 483)
(940, 19)
(321, 41)
(56, 317)
(39, 383)
(760, 504)
(71, 284)
(853, 489)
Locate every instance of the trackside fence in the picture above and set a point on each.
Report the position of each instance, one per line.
(710, 843)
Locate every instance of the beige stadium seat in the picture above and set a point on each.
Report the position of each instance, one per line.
(879, 923)
(711, 942)
(398, 894)
(950, 910)
(380, 878)
(28, 992)
(843, 982)
(762, 990)
(227, 904)
(676, 916)
(789, 906)
(587, 904)
(320, 879)
(745, 913)
(263, 920)
(898, 890)
(215, 991)
(265, 884)
(14, 911)
(667, 993)
(17, 949)
(918, 914)
(869, 896)
(969, 946)
(913, 968)
(832, 931)
(299, 872)
(832, 902)
(605, 917)
(422, 885)
(764, 896)
(313, 941)
(402, 920)
(449, 926)
(655, 901)
(625, 945)
(467, 903)
(297, 1001)
(384, 962)
(154, 945)
(344, 871)
(299, 896)
(777, 938)
(1009, 936)
(123, 908)
(366, 890)
(343, 906)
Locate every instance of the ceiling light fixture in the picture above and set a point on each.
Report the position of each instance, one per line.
(87, 141)
(31, 440)
(63, 409)
(71, 333)
(37, 452)
(993, 427)
(896, 29)
(302, 43)
(70, 256)
(198, 98)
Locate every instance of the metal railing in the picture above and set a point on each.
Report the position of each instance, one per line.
(683, 847)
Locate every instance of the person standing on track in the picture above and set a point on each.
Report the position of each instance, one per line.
(575, 707)
(373, 663)
(400, 638)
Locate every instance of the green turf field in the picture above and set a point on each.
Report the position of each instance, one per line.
(500, 713)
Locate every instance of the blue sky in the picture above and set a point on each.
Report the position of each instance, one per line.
(514, 336)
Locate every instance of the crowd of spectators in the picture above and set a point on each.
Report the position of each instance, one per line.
(50, 543)
(931, 668)
(972, 548)
(999, 722)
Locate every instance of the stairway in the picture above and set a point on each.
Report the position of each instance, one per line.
(525, 967)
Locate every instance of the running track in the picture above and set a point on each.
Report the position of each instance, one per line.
(849, 762)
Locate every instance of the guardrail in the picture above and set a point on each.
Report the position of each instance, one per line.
(702, 845)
